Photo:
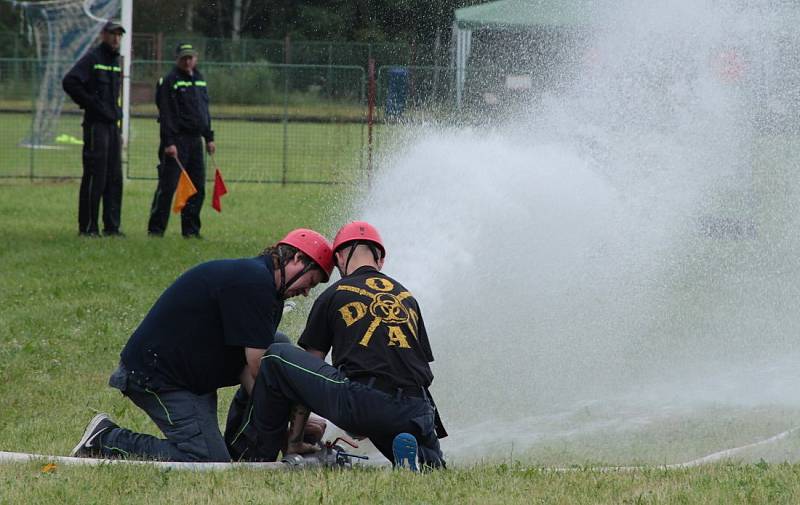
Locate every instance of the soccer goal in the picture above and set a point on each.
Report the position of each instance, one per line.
(63, 31)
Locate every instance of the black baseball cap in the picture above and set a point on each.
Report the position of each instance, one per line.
(185, 49)
(113, 26)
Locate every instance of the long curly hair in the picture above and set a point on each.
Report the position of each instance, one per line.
(283, 253)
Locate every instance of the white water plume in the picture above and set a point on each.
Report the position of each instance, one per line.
(630, 243)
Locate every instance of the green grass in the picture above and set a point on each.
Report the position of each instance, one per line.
(68, 305)
(501, 484)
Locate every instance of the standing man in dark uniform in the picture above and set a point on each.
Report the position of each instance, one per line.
(94, 84)
(378, 384)
(208, 330)
(182, 100)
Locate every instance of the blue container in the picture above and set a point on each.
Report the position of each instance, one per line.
(397, 92)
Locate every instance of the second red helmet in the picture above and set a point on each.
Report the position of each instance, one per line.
(313, 245)
(360, 231)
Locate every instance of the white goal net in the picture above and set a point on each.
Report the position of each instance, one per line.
(63, 30)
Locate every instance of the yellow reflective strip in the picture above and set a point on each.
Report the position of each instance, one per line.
(184, 84)
(98, 66)
(335, 381)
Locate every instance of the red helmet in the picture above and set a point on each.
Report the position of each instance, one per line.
(313, 245)
(360, 231)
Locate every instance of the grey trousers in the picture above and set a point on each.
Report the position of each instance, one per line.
(188, 421)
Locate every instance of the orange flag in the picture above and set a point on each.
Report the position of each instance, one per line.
(219, 190)
(184, 191)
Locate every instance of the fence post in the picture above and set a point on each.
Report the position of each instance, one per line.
(159, 50)
(287, 59)
(370, 116)
(34, 89)
(16, 59)
(285, 123)
(330, 70)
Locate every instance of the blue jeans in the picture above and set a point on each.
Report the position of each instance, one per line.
(187, 420)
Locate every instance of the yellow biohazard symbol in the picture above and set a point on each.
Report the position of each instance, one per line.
(385, 308)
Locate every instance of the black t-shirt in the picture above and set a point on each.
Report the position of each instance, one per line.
(194, 336)
(374, 327)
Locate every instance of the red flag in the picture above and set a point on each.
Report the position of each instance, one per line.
(219, 190)
(184, 191)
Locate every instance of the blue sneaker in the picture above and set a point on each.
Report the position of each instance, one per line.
(404, 448)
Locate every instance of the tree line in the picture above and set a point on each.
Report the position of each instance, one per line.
(421, 21)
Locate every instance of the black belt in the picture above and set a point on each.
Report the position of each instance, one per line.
(389, 388)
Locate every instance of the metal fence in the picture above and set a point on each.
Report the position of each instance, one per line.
(273, 123)
(287, 51)
(13, 45)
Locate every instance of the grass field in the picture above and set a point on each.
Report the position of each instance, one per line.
(68, 305)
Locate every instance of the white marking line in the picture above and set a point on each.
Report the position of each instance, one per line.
(711, 458)
(730, 452)
(22, 457)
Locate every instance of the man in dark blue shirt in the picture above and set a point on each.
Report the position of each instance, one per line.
(208, 330)
(94, 84)
(182, 100)
(378, 384)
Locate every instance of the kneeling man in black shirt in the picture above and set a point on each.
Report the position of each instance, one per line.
(208, 330)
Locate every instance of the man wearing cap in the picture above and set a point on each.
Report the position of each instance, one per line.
(208, 330)
(182, 100)
(378, 384)
(94, 84)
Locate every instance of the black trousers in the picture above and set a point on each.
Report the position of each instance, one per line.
(289, 375)
(190, 152)
(102, 178)
(187, 420)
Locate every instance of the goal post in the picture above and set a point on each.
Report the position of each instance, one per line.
(64, 30)
(126, 54)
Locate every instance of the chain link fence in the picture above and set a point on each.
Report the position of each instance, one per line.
(273, 123)
(409, 96)
(286, 51)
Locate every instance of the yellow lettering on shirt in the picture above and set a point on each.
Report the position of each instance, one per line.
(385, 308)
(368, 335)
(353, 289)
(412, 322)
(397, 337)
(353, 312)
(379, 284)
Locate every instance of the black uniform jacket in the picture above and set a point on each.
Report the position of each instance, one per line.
(182, 101)
(94, 84)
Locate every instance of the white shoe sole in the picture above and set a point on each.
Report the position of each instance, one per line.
(88, 433)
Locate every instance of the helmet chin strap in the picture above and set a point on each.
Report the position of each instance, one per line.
(282, 289)
(349, 257)
(286, 284)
